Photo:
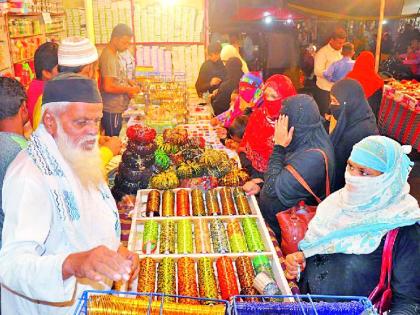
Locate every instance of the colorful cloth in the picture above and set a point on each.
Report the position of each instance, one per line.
(339, 69)
(257, 142)
(354, 219)
(35, 90)
(249, 85)
(364, 72)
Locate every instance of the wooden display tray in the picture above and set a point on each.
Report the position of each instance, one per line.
(139, 218)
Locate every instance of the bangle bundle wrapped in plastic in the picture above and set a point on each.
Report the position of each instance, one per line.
(197, 202)
(166, 277)
(262, 264)
(228, 207)
(167, 237)
(168, 203)
(226, 276)
(153, 203)
(182, 203)
(184, 234)
(150, 236)
(110, 304)
(202, 237)
(236, 237)
(252, 235)
(241, 201)
(212, 202)
(218, 237)
(147, 275)
(267, 308)
(187, 284)
(206, 280)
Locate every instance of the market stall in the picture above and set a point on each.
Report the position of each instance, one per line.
(399, 115)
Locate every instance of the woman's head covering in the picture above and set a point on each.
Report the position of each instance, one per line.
(353, 109)
(229, 51)
(304, 116)
(257, 142)
(233, 69)
(249, 84)
(364, 72)
(283, 87)
(354, 219)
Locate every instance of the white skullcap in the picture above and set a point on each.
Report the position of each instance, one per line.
(76, 51)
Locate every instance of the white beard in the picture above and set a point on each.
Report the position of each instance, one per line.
(86, 164)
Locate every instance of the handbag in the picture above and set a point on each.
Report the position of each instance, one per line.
(381, 296)
(294, 222)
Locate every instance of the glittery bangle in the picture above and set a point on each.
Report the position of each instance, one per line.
(218, 237)
(197, 202)
(184, 235)
(241, 201)
(206, 280)
(227, 279)
(167, 237)
(166, 277)
(252, 235)
(202, 237)
(153, 203)
(182, 203)
(228, 207)
(187, 284)
(236, 237)
(147, 276)
(168, 203)
(150, 236)
(212, 202)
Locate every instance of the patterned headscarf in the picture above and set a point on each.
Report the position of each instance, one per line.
(344, 224)
(249, 85)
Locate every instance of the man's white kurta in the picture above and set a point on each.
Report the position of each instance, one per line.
(37, 239)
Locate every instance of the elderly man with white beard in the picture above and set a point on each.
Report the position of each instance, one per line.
(61, 232)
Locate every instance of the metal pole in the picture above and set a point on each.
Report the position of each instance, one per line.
(379, 37)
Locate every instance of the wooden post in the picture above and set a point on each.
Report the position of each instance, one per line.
(90, 33)
(379, 37)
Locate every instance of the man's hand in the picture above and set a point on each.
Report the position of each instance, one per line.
(251, 187)
(282, 135)
(98, 264)
(221, 132)
(293, 261)
(134, 258)
(231, 144)
(114, 144)
(215, 81)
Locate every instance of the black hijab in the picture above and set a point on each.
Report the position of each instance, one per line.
(309, 132)
(355, 121)
(234, 70)
(354, 109)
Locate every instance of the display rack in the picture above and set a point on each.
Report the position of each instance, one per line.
(26, 31)
(139, 219)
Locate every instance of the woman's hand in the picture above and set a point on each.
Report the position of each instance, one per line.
(221, 132)
(293, 261)
(282, 135)
(251, 187)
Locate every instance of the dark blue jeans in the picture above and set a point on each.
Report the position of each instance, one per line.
(111, 123)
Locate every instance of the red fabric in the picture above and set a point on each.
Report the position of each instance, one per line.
(364, 72)
(35, 90)
(257, 142)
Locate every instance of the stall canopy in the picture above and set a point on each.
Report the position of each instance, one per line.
(357, 9)
(255, 14)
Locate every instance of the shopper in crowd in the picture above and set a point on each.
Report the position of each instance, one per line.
(257, 143)
(339, 69)
(249, 97)
(78, 55)
(236, 132)
(222, 96)
(298, 130)
(324, 58)
(229, 51)
(54, 196)
(13, 117)
(212, 71)
(364, 72)
(342, 250)
(116, 89)
(46, 62)
(387, 46)
(355, 121)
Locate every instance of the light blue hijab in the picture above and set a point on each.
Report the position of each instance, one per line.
(354, 219)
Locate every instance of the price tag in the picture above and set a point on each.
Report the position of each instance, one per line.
(46, 16)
